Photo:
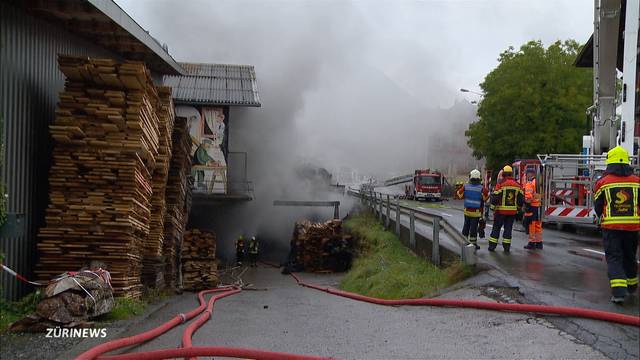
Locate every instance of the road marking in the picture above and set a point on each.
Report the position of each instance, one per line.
(445, 214)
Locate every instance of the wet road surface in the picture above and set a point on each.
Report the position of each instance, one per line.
(290, 318)
(570, 271)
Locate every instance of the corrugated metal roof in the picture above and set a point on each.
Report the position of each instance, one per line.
(215, 84)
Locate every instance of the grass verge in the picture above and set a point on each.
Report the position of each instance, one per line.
(128, 308)
(11, 311)
(387, 269)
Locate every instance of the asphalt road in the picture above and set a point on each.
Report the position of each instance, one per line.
(570, 271)
(288, 318)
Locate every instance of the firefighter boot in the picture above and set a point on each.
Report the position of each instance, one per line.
(618, 294)
(474, 242)
(493, 243)
(539, 245)
(506, 245)
(530, 246)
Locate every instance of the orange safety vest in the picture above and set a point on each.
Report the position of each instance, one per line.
(530, 194)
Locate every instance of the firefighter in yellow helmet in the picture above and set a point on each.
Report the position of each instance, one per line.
(240, 250)
(506, 199)
(617, 204)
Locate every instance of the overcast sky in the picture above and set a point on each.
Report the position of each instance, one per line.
(458, 39)
(366, 85)
(340, 81)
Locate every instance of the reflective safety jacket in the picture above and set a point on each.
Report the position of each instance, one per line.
(617, 201)
(253, 247)
(239, 245)
(474, 196)
(507, 197)
(530, 196)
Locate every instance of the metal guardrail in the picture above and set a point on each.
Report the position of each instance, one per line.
(377, 201)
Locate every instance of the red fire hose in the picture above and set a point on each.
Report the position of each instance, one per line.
(218, 351)
(487, 305)
(188, 351)
(155, 332)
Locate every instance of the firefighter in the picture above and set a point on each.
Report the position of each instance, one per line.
(617, 204)
(474, 195)
(532, 212)
(240, 250)
(506, 199)
(253, 251)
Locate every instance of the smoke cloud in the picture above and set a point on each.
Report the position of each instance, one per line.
(343, 85)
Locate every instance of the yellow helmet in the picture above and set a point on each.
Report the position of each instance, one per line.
(507, 169)
(618, 155)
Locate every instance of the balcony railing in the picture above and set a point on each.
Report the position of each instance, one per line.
(223, 183)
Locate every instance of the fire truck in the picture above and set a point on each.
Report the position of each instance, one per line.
(427, 184)
(568, 180)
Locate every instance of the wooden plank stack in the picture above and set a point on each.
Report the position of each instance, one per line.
(316, 242)
(177, 197)
(152, 260)
(199, 268)
(107, 143)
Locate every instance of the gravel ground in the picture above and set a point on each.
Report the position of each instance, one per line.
(33, 346)
(39, 346)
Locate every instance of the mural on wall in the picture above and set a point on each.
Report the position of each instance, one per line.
(207, 131)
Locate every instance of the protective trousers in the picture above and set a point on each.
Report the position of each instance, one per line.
(499, 221)
(470, 228)
(535, 225)
(620, 249)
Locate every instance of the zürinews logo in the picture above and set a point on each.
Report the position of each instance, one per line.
(75, 333)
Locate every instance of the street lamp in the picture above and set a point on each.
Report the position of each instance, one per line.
(471, 91)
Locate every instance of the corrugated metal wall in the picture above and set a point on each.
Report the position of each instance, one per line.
(29, 85)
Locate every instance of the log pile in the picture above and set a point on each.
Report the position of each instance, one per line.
(199, 268)
(152, 260)
(321, 247)
(107, 143)
(177, 197)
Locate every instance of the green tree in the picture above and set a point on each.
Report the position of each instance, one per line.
(534, 103)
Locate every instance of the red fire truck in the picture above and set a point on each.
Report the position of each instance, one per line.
(427, 184)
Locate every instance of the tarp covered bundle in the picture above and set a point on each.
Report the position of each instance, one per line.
(69, 301)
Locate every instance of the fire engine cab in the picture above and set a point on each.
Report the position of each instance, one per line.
(427, 184)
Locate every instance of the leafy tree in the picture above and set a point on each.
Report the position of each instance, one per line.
(534, 103)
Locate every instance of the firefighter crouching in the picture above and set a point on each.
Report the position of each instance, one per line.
(253, 251)
(532, 212)
(617, 204)
(240, 250)
(474, 195)
(506, 199)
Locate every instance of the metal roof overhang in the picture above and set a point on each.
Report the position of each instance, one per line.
(103, 22)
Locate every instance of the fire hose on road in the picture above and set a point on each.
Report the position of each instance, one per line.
(486, 305)
(188, 351)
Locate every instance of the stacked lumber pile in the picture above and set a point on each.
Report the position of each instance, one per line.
(177, 197)
(106, 146)
(321, 247)
(152, 260)
(199, 268)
